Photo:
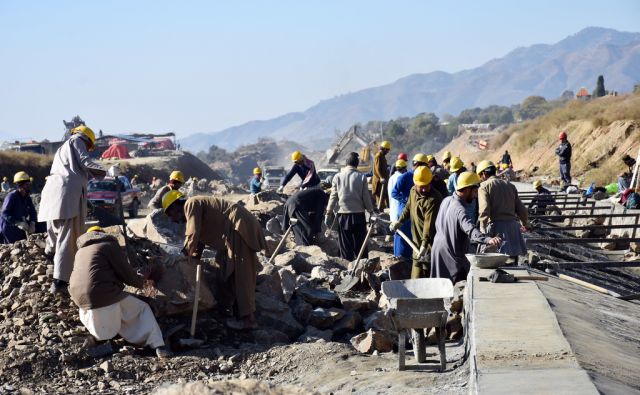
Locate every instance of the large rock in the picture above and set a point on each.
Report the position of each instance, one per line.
(269, 282)
(351, 322)
(294, 260)
(353, 304)
(325, 318)
(318, 297)
(288, 283)
(281, 321)
(265, 302)
(380, 321)
(373, 340)
(300, 309)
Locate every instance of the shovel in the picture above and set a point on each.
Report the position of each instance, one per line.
(292, 223)
(193, 342)
(350, 280)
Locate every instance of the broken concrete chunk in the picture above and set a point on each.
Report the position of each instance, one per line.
(268, 303)
(379, 321)
(282, 321)
(349, 323)
(352, 304)
(288, 283)
(269, 282)
(325, 318)
(300, 309)
(373, 340)
(319, 297)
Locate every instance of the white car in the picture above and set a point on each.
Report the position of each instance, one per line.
(273, 176)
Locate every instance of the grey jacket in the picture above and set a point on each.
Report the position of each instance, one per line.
(350, 192)
(65, 191)
(156, 201)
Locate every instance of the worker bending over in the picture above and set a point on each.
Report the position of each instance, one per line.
(350, 194)
(422, 207)
(63, 203)
(499, 210)
(307, 206)
(235, 234)
(176, 179)
(304, 168)
(255, 185)
(455, 231)
(97, 287)
(542, 200)
(381, 176)
(18, 211)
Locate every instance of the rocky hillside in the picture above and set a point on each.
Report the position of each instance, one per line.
(544, 69)
(601, 131)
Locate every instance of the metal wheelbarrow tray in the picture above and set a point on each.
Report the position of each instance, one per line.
(490, 260)
(416, 305)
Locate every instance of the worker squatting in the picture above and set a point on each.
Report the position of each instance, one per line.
(436, 212)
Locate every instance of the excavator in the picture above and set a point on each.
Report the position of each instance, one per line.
(368, 147)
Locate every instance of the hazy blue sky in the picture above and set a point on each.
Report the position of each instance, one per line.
(200, 66)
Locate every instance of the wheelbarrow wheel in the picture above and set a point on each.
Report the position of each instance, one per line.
(419, 345)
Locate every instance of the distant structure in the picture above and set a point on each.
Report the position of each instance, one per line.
(68, 126)
(583, 94)
(479, 134)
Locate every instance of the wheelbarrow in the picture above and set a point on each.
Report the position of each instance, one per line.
(416, 305)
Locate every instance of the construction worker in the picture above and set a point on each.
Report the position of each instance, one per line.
(455, 230)
(563, 151)
(446, 160)
(97, 284)
(401, 156)
(255, 185)
(307, 206)
(350, 194)
(456, 168)
(381, 176)
(5, 186)
(304, 168)
(18, 211)
(236, 235)
(400, 246)
(63, 203)
(542, 200)
(506, 159)
(440, 174)
(176, 179)
(499, 210)
(422, 207)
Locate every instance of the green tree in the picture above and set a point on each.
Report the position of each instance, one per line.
(600, 91)
(534, 106)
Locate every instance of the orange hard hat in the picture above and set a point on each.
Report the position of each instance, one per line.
(562, 136)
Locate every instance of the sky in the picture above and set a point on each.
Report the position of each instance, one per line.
(202, 66)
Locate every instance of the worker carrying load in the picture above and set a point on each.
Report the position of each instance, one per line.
(500, 209)
(422, 207)
(18, 211)
(97, 284)
(236, 235)
(542, 200)
(563, 151)
(381, 176)
(255, 185)
(455, 230)
(176, 179)
(5, 187)
(307, 206)
(63, 203)
(350, 193)
(304, 168)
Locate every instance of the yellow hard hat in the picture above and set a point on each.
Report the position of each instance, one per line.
(430, 158)
(456, 164)
(401, 163)
(484, 165)
(95, 229)
(446, 155)
(296, 156)
(421, 158)
(20, 177)
(87, 132)
(422, 176)
(4, 178)
(385, 144)
(537, 184)
(169, 198)
(135, 176)
(257, 171)
(504, 166)
(467, 179)
(177, 175)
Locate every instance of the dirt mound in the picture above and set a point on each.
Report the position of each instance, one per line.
(239, 387)
(36, 165)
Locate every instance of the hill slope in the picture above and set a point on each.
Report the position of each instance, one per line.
(546, 70)
(601, 131)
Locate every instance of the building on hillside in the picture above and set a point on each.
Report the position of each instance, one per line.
(583, 94)
(478, 134)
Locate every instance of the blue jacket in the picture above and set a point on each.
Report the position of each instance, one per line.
(303, 170)
(403, 186)
(453, 182)
(255, 186)
(15, 208)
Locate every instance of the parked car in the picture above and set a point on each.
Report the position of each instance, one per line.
(327, 173)
(273, 176)
(104, 194)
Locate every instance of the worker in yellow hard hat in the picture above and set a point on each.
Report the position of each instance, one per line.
(422, 208)
(456, 167)
(440, 175)
(304, 168)
(63, 203)
(255, 185)
(455, 230)
(446, 159)
(236, 234)
(500, 210)
(176, 179)
(100, 274)
(18, 211)
(5, 187)
(542, 201)
(381, 176)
